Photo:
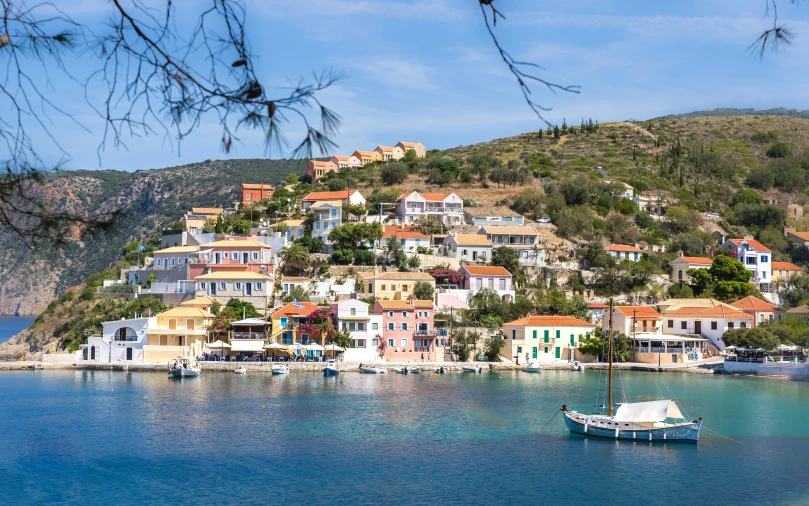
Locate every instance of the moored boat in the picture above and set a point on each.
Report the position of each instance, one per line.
(369, 369)
(439, 370)
(331, 369)
(576, 366)
(183, 368)
(280, 369)
(414, 370)
(532, 366)
(400, 370)
(241, 370)
(471, 368)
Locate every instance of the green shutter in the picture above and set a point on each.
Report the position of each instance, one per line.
(572, 340)
(547, 336)
(535, 334)
(558, 334)
(558, 352)
(534, 352)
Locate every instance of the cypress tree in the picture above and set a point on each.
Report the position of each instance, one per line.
(556, 131)
(581, 130)
(564, 127)
(540, 133)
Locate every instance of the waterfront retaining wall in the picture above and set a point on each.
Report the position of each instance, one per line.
(768, 369)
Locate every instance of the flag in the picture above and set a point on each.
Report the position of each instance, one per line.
(141, 247)
(297, 304)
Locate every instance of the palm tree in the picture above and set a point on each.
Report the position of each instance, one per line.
(654, 291)
(294, 256)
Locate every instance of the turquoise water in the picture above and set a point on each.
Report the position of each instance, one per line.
(10, 325)
(88, 437)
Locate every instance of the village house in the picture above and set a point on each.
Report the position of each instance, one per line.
(759, 310)
(390, 153)
(418, 147)
(286, 322)
(710, 322)
(756, 258)
(366, 157)
(495, 278)
(353, 197)
(292, 229)
(628, 191)
(247, 286)
(206, 303)
(492, 216)
(364, 326)
(544, 338)
(394, 285)
(328, 215)
(344, 162)
(631, 320)
(670, 305)
(290, 283)
(234, 255)
(176, 257)
(447, 208)
(178, 332)
(525, 241)
(623, 252)
(195, 220)
(408, 327)
(655, 205)
(316, 169)
(121, 340)
(410, 241)
(783, 271)
(596, 311)
(467, 247)
(252, 193)
(799, 238)
(681, 265)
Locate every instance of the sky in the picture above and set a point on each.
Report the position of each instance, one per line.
(426, 70)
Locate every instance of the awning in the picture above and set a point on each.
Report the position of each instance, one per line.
(251, 321)
(652, 411)
(254, 345)
(353, 318)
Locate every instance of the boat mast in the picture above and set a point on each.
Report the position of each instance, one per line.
(609, 376)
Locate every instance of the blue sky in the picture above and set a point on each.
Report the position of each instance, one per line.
(425, 70)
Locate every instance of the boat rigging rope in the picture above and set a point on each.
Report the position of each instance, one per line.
(722, 435)
(549, 421)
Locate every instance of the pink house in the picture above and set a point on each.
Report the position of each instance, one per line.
(495, 278)
(232, 254)
(408, 328)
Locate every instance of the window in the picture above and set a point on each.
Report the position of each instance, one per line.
(519, 349)
(405, 326)
(352, 326)
(545, 350)
(374, 326)
(546, 336)
(353, 311)
(404, 288)
(325, 224)
(404, 314)
(730, 325)
(374, 342)
(765, 259)
(391, 326)
(713, 325)
(761, 318)
(317, 225)
(558, 334)
(418, 315)
(259, 286)
(360, 325)
(173, 261)
(202, 286)
(237, 286)
(479, 283)
(404, 342)
(503, 284)
(744, 325)
(534, 334)
(223, 286)
(384, 287)
(225, 255)
(343, 326)
(513, 334)
(359, 343)
(426, 314)
(683, 325)
(464, 253)
(334, 212)
(390, 314)
(671, 324)
(255, 255)
(391, 342)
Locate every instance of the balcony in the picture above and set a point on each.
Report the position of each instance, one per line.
(425, 333)
(247, 335)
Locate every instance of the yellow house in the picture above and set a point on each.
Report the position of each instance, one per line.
(179, 332)
(395, 285)
(544, 338)
(205, 302)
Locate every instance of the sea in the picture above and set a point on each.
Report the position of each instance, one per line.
(104, 437)
(11, 325)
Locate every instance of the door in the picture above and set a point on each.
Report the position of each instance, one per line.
(697, 327)
(245, 258)
(248, 288)
(213, 289)
(190, 324)
(572, 340)
(558, 352)
(217, 258)
(534, 352)
(129, 353)
(92, 353)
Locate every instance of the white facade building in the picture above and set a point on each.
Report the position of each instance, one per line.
(365, 328)
(756, 258)
(447, 208)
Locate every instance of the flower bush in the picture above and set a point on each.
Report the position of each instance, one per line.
(447, 276)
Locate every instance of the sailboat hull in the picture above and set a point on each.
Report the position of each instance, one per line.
(680, 433)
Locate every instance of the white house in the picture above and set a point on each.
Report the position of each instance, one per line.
(328, 215)
(467, 247)
(343, 162)
(710, 322)
(364, 326)
(248, 286)
(525, 241)
(120, 340)
(390, 153)
(544, 338)
(756, 258)
(492, 277)
(447, 208)
(492, 216)
(628, 191)
(353, 197)
(175, 257)
(410, 241)
(623, 252)
(681, 265)
(633, 320)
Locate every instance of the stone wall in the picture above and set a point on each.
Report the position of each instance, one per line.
(59, 358)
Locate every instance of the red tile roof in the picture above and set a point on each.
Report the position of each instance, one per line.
(639, 311)
(786, 265)
(597, 305)
(404, 235)
(622, 247)
(698, 260)
(754, 244)
(486, 270)
(721, 311)
(290, 310)
(754, 304)
(550, 321)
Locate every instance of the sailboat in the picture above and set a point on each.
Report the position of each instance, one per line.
(655, 421)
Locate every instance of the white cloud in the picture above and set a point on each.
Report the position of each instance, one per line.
(446, 10)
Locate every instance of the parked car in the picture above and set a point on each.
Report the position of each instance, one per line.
(544, 219)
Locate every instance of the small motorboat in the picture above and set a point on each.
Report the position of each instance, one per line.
(369, 369)
(414, 370)
(400, 370)
(280, 369)
(576, 366)
(472, 368)
(330, 369)
(241, 371)
(439, 370)
(532, 366)
(183, 368)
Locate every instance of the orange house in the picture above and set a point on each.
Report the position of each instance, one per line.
(315, 169)
(254, 192)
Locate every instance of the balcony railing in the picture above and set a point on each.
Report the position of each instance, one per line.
(425, 333)
(247, 335)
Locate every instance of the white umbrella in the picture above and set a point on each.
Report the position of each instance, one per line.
(314, 347)
(333, 348)
(218, 345)
(275, 346)
(730, 347)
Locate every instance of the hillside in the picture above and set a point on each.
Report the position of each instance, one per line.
(731, 111)
(150, 199)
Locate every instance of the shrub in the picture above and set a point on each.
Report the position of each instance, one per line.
(779, 150)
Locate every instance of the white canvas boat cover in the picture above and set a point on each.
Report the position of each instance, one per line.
(652, 411)
(253, 345)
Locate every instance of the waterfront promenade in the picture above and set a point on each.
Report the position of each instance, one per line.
(708, 366)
